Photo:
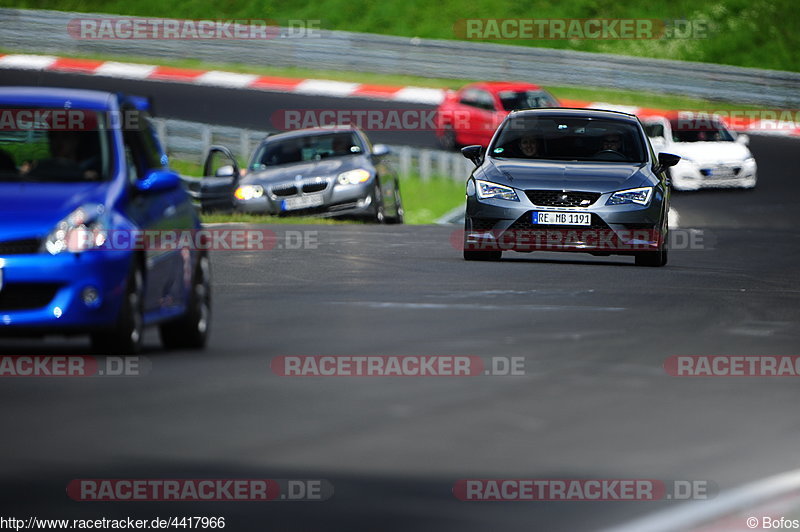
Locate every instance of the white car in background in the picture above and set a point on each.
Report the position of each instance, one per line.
(711, 155)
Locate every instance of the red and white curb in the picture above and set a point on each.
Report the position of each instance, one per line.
(314, 87)
(217, 78)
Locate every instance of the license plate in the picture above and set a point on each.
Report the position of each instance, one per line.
(302, 202)
(721, 171)
(562, 218)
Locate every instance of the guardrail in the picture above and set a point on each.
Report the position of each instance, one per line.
(190, 141)
(46, 31)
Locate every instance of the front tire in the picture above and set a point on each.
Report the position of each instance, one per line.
(448, 140)
(490, 255)
(379, 210)
(126, 336)
(400, 212)
(191, 330)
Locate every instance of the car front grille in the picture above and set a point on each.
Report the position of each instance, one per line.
(284, 190)
(25, 246)
(721, 171)
(559, 198)
(26, 296)
(314, 187)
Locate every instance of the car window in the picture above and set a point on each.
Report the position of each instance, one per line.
(41, 144)
(527, 99)
(485, 101)
(469, 97)
(314, 147)
(569, 138)
(654, 130)
(699, 130)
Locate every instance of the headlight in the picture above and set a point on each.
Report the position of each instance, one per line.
(489, 190)
(353, 177)
(248, 192)
(79, 231)
(633, 195)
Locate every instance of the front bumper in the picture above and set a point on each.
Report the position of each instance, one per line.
(494, 224)
(41, 293)
(689, 175)
(336, 199)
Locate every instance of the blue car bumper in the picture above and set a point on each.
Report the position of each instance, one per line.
(46, 294)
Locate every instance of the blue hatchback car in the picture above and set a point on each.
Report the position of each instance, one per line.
(76, 168)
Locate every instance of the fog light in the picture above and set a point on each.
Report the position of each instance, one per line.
(90, 297)
(57, 312)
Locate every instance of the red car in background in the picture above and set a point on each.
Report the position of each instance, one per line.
(472, 114)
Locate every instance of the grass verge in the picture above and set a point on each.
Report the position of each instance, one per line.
(749, 33)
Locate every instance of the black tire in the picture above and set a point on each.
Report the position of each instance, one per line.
(400, 213)
(488, 255)
(378, 215)
(191, 330)
(126, 336)
(448, 139)
(655, 259)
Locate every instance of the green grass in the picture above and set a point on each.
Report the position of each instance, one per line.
(426, 201)
(616, 96)
(750, 33)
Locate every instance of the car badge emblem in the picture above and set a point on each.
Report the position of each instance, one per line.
(564, 197)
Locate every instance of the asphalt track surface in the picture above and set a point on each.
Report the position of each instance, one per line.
(595, 401)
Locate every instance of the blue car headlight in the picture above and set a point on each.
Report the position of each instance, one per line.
(640, 196)
(81, 230)
(489, 190)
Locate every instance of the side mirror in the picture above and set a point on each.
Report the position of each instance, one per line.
(743, 139)
(665, 160)
(227, 154)
(474, 153)
(158, 180)
(379, 150)
(225, 171)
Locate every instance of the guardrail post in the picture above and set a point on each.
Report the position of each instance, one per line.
(404, 155)
(425, 164)
(205, 140)
(244, 144)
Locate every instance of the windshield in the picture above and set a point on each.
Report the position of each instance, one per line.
(302, 149)
(699, 131)
(54, 145)
(568, 139)
(517, 100)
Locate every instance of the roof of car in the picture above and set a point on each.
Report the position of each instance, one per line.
(56, 97)
(576, 112)
(313, 131)
(496, 86)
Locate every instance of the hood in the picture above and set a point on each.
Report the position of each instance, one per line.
(32, 209)
(710, 152)
(321, 168)
(558, 175)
